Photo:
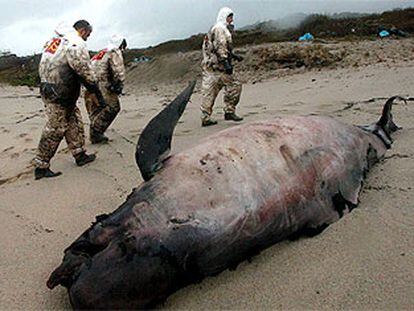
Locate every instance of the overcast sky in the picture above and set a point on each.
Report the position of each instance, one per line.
(25, 25)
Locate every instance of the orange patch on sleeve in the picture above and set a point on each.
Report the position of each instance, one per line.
(53, 46)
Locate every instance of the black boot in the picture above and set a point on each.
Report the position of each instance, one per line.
(45, 172)
(83, 158)
(208, 122)
(98, 138)
(232, 116)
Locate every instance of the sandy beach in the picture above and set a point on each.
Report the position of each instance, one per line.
(364, 261)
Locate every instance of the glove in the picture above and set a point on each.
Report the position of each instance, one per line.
(228, 68)
(100, 98)
(116, 88)
(93, 88)
(239, 58)
(230, 27)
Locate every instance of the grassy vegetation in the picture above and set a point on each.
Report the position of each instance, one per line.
(310, 56)
(23, 71)
(323, 26)
(20, 77)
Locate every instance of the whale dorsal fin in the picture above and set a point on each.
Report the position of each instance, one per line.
(154, 143)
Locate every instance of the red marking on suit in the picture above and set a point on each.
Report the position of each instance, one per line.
(53, 46)
(100, 55)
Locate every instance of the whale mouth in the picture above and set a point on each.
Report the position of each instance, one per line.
(64, 274)
(78, 254)
(82, 251)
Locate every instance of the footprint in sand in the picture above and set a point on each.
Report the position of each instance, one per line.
(134, 133)
(8, 149)
(27, 140)
(136, 116)
(296, 104)
(32, 150)
(259, 105)
(15, 155)
(183, 132)
(22, 135)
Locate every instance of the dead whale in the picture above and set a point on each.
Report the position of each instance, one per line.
(206, 209)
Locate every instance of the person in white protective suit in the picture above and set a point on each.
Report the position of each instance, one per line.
(108, 66)
(64, 67)
(217, 68)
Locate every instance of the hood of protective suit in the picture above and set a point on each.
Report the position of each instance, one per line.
(222, 15)
(63, 28)
(114, 42)
(75, 39)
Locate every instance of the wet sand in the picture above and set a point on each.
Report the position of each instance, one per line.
(364, 261)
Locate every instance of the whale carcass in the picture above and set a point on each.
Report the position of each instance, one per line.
(206, 209)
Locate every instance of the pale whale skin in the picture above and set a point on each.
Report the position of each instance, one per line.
(217, 204)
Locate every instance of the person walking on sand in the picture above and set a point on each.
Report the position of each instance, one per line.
(108, 66)
(64, 66)
(218, 69)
